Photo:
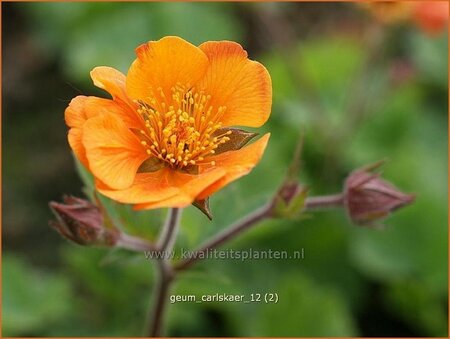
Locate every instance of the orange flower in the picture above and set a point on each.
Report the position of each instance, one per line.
(431, 16)
(165, 138)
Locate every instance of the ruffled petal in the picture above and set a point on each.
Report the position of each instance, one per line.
(164, 188)
(74, 114)
(95, 106)
(242, 85)
(236, 164)
(147, 187)
(178, 201)
(164, 64)
(81, 108)
(75, 117)
(111, 80)
(114, 153)
(75, 137)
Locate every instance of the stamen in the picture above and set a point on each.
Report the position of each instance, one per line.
(179, 127)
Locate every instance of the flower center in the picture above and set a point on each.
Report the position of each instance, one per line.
(183, 130)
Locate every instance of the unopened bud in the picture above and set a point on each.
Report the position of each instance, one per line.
(369, 199)
(289, 200)
(81, 222)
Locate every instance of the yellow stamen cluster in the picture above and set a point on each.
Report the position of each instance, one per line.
(181, 130)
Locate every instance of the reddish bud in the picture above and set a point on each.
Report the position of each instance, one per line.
(369, 198)
(81, 222)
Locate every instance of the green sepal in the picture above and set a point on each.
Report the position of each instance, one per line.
(238, 139)
(290, 208)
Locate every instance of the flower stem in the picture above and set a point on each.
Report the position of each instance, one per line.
(161, 291)
(165, 273)
(264, 212)
(168, 234)
(134, 243)
(324, 202)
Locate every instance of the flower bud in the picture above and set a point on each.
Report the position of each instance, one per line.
(81, 222)
(369, 198)
(289, 200)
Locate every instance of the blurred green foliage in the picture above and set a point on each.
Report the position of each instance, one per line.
(353, 108)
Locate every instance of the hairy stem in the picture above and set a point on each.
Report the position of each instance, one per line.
(168, 234)
(165, 273)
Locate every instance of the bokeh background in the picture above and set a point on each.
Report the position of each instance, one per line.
(360, 90)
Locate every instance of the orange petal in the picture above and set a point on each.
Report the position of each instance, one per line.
(75, 141)
(95, 106)
(163, 64)
(74, 114)
(242, 85)
(236, 164)
(75, 117)
(165, 188)
(147, 187)
(111, 80)
(113, 151)
(82, 108)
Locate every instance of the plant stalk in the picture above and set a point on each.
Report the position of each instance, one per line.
(165, 274)
(324, 202)
(264, 212)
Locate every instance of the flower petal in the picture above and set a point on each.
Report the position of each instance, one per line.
(75, 137)
(147, 187)
(75, 117)
(236, 164)
(242, 85)
(111, 80)
(163, 64)
(164, 188)
(114, 82)
(113, 151)
(81, 108)
(74, 114)
(95, 106)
